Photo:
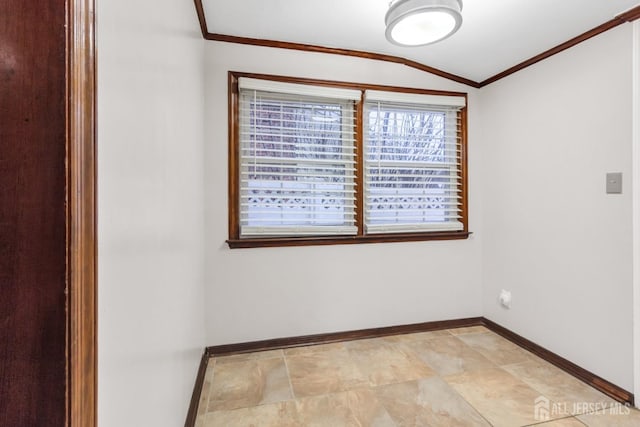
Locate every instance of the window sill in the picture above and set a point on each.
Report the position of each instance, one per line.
(345, 240)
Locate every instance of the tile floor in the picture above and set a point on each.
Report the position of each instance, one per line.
(457, 377)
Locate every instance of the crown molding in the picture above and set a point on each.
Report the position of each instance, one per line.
(338, 51)
(628, 16)
(554, 50)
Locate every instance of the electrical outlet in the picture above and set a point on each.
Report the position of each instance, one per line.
(505, 298)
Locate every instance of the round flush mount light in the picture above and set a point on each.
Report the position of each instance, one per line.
(422, 22)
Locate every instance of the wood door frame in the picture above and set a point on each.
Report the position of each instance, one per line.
(81, 389)
(635, 185)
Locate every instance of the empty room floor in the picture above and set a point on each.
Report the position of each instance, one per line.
(457, 377)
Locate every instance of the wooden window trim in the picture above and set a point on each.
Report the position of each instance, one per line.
(235, 242)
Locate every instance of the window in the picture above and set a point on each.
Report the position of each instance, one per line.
(297, 160)
(412, 167)
(314, 162)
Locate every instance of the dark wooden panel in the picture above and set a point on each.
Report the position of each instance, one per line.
(33, 213)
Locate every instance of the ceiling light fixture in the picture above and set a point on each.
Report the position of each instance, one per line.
(422, 22)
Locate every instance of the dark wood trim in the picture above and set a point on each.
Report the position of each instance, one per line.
(234, 153)
(338, 51)
(464, 167)
(235, 242)
(341, 84)
(346, 240)
(192, 414)
(599, 383)
(360, 155)
(201, 18)
(81, 220)
(279, 343)
(559, 48)
(630, 15)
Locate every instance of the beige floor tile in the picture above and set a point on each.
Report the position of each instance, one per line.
(570, 395)
(313, 349)
(450, 356)
(495, 348)
(352, 408)
(281, 414)
(428, 402)
(418, 336)
(206, 387)
(259, 355)
(469, 330)
(465, 376)
(565, 422)
(383, 362)
(248, 383)
(322, 370)
(498, 396)
(200, 420)
(615, 416)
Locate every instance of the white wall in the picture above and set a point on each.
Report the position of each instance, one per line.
(540, 143)
(255, 294)
(150, 207)
(550, 234)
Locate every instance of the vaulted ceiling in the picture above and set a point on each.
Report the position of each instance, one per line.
(495, 36)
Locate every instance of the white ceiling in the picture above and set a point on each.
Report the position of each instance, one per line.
(495, 34)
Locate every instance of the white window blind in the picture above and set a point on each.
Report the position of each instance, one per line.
(297, 159)
(412, 162)
(298, 89)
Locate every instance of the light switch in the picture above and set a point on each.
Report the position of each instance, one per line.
(614, 183)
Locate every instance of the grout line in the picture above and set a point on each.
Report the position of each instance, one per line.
(465, 400)
(211, 365)
(580, 421)
(605, 405)
(286, 366)
(541, 423)
(609, 389)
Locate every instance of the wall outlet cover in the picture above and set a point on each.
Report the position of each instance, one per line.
(505, 298)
